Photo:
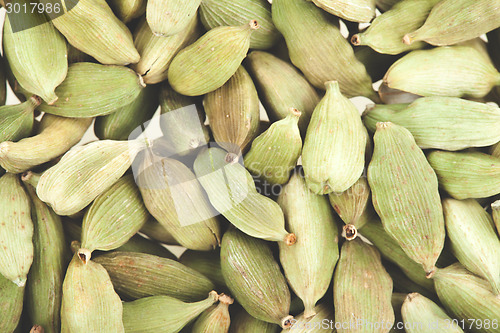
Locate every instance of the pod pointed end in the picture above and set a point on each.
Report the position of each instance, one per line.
(290, 239)
(254, 25)
(408, 39)
(356, 40)
(225, 299)
(84, 255)
(383, 125)
(309, 312)
(429, 273)
(350, 232)
(20, 282)
(287, 322)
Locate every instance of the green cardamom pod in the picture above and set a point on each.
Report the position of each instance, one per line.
(209, 62)
(170, 17)
(205, 262)
(216, 318)
(405, 195)
(56, 136)
(281, 87)
(319, 50)
(116, 86)
(135, 275)
(453, 71)
(359, 280)
(473, 239)
(17, 120)
(385, 5)
(310, 218)
(447, 123)
(36, 52)
(245, 323)
(322, 322)
(162, 313)
(333, 155)
(254, 278)
(466, 174)
(466, 19)
(495, 208)
(233, 112)
(215, 13)
(466, 297)
(275, 152)
(350, 10)
(11, 304)
(127, 10)
(91, 26)
(84, 172)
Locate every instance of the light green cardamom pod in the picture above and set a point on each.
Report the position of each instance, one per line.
(56, 135)
(495, 150)
(376, 64)
(209, 62)
(45, 278)
(333, 155)
(157, 232)
(466, 175)
(116, 87)
(120, 124)
(495, 210)
(91, 26)
(17, 120)
(254, 278)
(308, 264)
(232, 192)
(216, 318)
(467, 296)
(84, 172)
(162, 313)
(466, 19)
(386, 32)
(157, 52)
(473, 239)
(215, 13)
(421, 315)
(135, 275)
(447, 123)
(127, 10)
(245, 323)
(322, 322)
(275, 152)
(281, 86)
(114, 217)
(405, 195)
(390, 250)
(175, 198)
(318, 49)
(385, 5)
(170, 17)
(350, 10)
(89, 302)
(207, 263)
(233, 112)
(11, 304)
(36, 52)
(362, 289)
(403, 284)
(182, 122)
(453, 71)
(16, 230)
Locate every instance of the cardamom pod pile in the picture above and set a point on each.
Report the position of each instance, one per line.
(201, 166)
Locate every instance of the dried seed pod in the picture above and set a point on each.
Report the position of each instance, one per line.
(232, 192)
(322, 322)
(162, 313)
(275, 152)
(360, 279)
(56, 136)
(84, 172)
(467, 19)
(233, 112)
(170, 17)
(309, 216)
(16, 231)
(45, 278)
(17, 120)
(89, 284)
(91, 26)
(215, 13)
(473, 239)
(254, 278)
(495, 208)
(281, 86)
(386, 32)
(115, 87)
(209, 62)
(467, 296)
(334, 147)
(466, 175)
(356, 11)
(462, 71)
(405, 195)
(319, 50)
(36, 52)
(158, 52)
(135, 275)
(114, 216)
(446, 123)
(216, 318)
(245, 323)
(385, 5)
(11, 304)
(207, 263)
(421, 315)
(127, 10)
(156, 231)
